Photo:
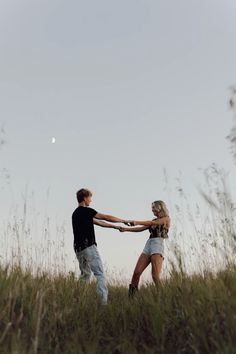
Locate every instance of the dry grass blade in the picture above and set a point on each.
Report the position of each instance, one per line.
(8, 326)
(232, 135)
(39, 299)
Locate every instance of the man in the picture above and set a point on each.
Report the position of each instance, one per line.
(85, 246)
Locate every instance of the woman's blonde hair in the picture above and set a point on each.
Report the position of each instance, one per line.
(163, 209)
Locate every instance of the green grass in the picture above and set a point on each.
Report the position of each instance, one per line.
(46, 314)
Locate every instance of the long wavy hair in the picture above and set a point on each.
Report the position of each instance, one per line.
(163, 211)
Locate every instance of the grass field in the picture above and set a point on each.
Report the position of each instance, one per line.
(184, 314)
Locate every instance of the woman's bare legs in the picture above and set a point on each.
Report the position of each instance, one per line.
(156, 260)
(141, 265)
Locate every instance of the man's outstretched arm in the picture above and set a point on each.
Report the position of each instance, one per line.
(110, 218)
(105, 224)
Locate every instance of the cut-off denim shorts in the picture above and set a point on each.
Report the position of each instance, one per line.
(154, 246)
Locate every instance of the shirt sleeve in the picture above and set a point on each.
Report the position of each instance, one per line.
(93, 212)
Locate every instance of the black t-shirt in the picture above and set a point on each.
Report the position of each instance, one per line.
(83, 228)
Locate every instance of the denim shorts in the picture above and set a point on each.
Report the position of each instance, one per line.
(153, 246)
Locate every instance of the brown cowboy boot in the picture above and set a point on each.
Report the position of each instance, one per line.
(132, 290)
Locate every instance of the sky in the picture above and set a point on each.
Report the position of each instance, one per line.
(128, 89)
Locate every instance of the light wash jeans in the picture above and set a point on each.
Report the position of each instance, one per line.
(90, 262)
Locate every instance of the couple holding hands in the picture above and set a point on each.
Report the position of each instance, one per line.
(83, 220)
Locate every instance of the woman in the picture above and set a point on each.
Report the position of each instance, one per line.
(153, 251)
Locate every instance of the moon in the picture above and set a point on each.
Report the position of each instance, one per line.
(53, 140)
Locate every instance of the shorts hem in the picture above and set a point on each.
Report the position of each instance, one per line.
(159, 254)
(152, 254)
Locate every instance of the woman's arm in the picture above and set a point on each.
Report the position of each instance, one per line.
(105, 224)
(134, 229)
(162, 221)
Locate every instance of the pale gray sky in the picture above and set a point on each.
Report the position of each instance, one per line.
(127, 88)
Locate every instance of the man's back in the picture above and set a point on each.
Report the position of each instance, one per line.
(83, 227)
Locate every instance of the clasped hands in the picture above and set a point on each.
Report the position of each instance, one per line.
(127, 223)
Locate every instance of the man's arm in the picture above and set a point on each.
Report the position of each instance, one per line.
(105, 224)
(110, 218)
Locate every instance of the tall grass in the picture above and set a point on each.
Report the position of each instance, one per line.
(184, 314)
(232, 135)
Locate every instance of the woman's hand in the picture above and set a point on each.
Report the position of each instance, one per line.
(117, 227)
